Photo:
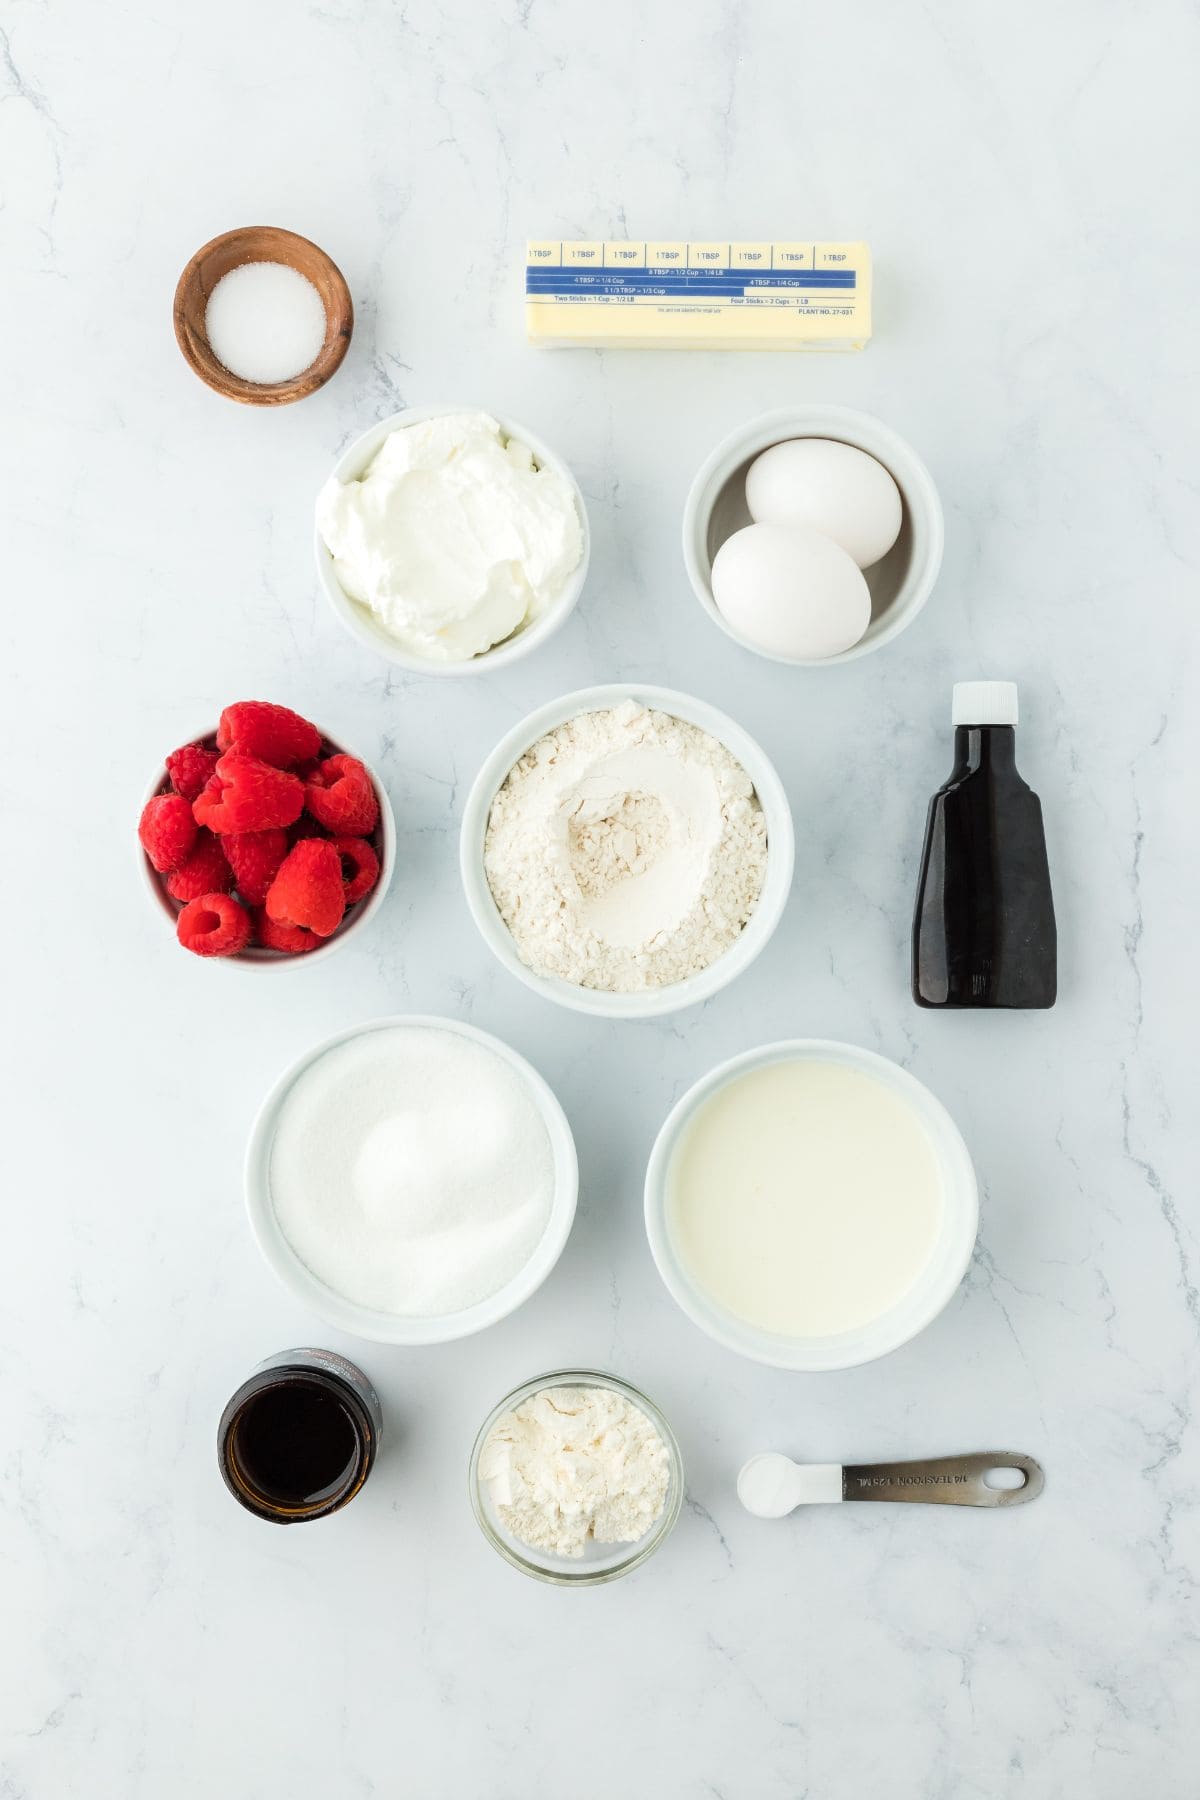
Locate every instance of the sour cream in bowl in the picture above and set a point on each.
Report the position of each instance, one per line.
(450, 541)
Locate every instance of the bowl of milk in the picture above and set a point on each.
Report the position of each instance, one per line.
(811, 1205)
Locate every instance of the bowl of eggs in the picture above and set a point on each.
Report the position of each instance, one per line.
(813, 535)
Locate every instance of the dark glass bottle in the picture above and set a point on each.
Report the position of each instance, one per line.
(983, 930)
(298, 1439)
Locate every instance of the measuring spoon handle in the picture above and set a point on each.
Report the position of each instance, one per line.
(946, 1480)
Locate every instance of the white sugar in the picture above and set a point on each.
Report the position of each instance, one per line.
(265, 322)
(412, 1171)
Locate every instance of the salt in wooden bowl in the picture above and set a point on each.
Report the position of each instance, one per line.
(250, 244)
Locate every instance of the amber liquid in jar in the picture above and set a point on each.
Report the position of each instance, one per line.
(298, 1439)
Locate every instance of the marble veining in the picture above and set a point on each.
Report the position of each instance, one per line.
(1033, 331)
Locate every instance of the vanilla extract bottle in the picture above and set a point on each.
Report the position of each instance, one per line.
(298, 1439)
(984, 932)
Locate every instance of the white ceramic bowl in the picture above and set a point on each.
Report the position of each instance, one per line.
(900, 584)
(390, 1328)
(763, 920)
(362, 624)
(255, 957)
(924, 1300)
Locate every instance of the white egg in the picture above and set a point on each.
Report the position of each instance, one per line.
(833, 487)
(791, 591)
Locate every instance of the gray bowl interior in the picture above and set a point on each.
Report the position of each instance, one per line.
(729, 513)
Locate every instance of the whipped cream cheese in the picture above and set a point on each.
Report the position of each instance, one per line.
(452, 536)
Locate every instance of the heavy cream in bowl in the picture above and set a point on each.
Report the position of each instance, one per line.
(413, 1180)
(811, 1205)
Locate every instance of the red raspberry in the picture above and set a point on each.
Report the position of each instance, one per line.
(254, 857)
(191, 769)
(308, 889)
(247, 794)
(360, 867)
(305, 826)
(341, 795)
(293, 940)
(206, 871)
(275, 733)
(167, 831)
(213, 925)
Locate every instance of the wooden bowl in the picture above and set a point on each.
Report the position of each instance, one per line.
(261, 243)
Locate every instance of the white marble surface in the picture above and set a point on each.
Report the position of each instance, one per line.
(1035, 340)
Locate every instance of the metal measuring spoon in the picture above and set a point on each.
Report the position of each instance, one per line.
(772, 1485)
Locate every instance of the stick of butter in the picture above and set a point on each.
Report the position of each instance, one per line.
(698, 296)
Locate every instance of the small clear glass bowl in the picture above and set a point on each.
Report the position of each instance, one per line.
(599, 1562)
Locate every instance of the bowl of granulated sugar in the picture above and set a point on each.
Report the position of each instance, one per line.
(412, 1180)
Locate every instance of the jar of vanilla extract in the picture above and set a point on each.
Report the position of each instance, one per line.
(299, 1437)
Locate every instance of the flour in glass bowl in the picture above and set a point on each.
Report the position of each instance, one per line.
(571, 1464)
(626, 850)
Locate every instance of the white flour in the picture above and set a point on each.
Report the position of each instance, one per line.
(572, 1463)
(626, 850)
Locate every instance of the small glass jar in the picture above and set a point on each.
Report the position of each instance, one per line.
(600, 1562)
(299, 1437)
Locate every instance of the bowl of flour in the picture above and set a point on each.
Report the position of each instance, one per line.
(627, 851)
(412, 1180)
(576, 1478)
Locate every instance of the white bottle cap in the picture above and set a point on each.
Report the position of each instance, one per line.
(985, 703)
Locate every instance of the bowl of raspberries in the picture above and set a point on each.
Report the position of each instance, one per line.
(266, 841)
